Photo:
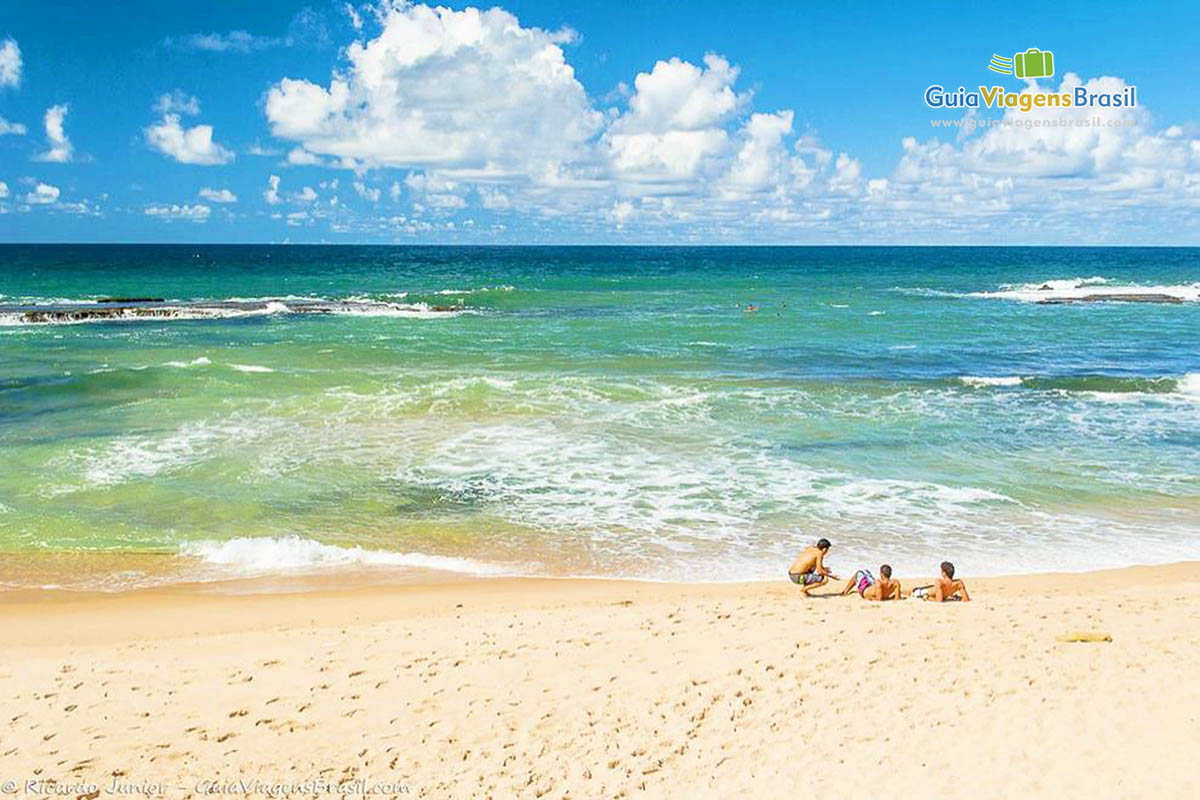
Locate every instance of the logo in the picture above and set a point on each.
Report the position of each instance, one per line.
(1029, 65)
(1033, 63)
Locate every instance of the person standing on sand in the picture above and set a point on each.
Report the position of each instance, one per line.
(946, 588)
(870, 589)
(808, 570)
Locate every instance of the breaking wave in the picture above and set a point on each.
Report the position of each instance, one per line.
(1095, 289)
(250, 555)
(58, 312)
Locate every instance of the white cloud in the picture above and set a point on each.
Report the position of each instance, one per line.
(193, 145)
(368, 193)
(675, 121)
(177, 102)
(1056, 173)
(494, 199)
(762, 154)
(42, 194)
(847, 175)
(306, 195)
(463, 90)
(217, 195)
(56, 136)
(445, 200)
(306, 27)
(482, 111)
(83, 207)
(10, 63)
(621, 212)
(271, 194)
(257, 149)
(3, 190)
(189, 213)
(236, 41)
(11, 128)
(298, 156)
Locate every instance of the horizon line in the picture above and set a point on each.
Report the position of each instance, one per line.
(758, 245)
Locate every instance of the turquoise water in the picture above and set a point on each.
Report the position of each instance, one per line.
(603, 411)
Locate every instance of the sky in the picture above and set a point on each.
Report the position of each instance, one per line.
(572, 122)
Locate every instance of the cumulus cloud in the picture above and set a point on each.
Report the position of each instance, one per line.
(480, 111)
(193, 145)
(10, 63)
(675, 123)
(459, 90)
(474, 104)
(1054, 164)
(188, 213)
(762, 154)
(60, 147)
(368, 193)
(3, 190)
(42, 194)
(177, 102)
(217, 195)
(271, 194)
(298, 156)
(11, 128)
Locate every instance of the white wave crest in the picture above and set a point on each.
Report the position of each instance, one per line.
(1095, 287)
(139, 457)
(234, 308)
(984, 380)
(484, 289)
(258, 555)
(202, 361)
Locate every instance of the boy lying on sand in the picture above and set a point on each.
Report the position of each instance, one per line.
(870, 589)
(808, 570)
(945, 589)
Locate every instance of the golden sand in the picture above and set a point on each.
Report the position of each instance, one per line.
(541, 688)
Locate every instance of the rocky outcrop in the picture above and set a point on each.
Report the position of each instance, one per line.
(139, 308)
(1112, 298)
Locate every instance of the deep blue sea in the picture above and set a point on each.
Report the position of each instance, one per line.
(669, 413)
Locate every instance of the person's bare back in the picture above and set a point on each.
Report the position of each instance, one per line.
(946, 587)
(883, 589)
(805, 562)
(808, 571)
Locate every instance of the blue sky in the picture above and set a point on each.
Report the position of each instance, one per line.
(585, 122)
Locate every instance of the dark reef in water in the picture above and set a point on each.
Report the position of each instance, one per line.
(1112, 298)
(136, 308)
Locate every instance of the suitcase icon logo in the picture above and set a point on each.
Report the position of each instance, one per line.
(1033, 63)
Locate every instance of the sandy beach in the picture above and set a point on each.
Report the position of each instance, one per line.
(539, 688)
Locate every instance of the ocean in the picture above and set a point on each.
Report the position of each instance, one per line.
(664, 413)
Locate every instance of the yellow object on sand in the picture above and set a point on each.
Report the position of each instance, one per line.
(1084, 636)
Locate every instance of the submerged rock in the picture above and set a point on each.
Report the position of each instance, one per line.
(138, 308)
(1113, 298)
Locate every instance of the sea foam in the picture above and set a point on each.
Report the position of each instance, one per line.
(1001, 380)
(55, 312)
(1095, 289)
(259, 555)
